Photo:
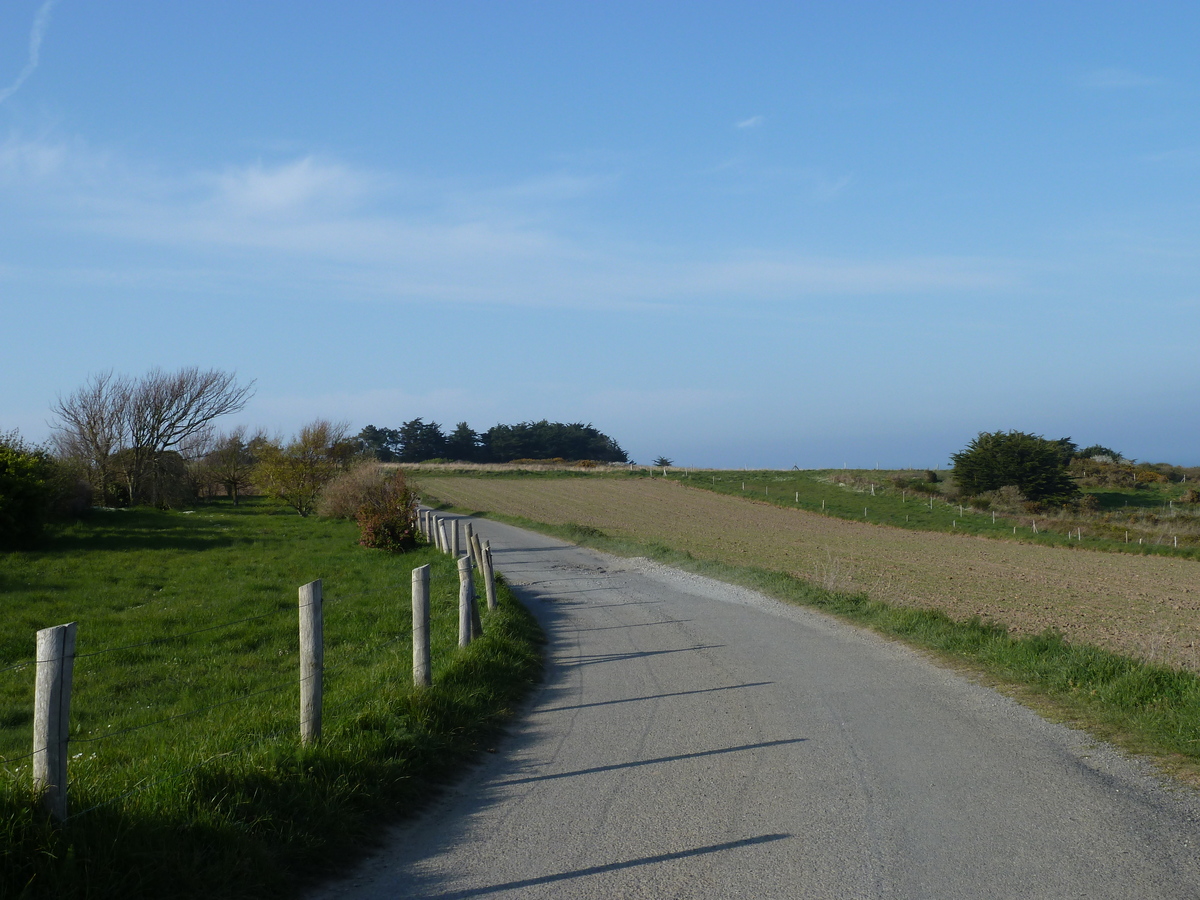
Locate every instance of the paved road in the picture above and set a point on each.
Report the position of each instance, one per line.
(697, 740)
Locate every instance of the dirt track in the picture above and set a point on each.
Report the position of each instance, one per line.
(1144, 606)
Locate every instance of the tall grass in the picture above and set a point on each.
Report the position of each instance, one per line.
(186, 774)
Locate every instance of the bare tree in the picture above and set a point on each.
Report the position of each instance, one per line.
(92, 427)
(168, 410)
(232, 459)
(143, 430)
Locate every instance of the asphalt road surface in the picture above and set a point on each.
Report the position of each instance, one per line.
(693, 739)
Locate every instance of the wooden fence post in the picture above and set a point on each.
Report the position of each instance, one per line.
(455, 543)
(443, 540)
(466, 598)
(489, 575)
(312, 661)
(422, 669)
(477, 556)
(468, 534)
(476, 621)
(51, 715)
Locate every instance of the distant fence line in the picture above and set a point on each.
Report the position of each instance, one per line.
(55, 657)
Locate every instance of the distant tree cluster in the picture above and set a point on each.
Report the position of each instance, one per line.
(418, 441)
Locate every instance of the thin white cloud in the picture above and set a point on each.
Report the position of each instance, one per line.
(752, 122)
(40, 23)
(1181, 156)
(1117, 78)
(292, 188)
(742, 177)
(318, 225)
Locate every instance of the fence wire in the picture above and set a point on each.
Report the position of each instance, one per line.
(292, 682)
(177, 637)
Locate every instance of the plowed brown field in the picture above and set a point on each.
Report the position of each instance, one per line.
(1143, 606)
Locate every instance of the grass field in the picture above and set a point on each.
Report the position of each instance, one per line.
(186, 773)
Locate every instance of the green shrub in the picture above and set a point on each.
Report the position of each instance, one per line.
(1006, 499)
(387, 515)
(1036, 466)
(28, 479)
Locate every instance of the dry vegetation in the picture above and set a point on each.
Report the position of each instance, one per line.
(1142, 606)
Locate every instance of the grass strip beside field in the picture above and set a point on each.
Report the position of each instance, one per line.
(187, 778)
(1147, 709)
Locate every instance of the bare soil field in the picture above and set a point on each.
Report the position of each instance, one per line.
(1142, 606)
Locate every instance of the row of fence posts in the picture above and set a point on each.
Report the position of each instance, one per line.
(56, 654)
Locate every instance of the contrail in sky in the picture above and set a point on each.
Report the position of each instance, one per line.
(40, 22)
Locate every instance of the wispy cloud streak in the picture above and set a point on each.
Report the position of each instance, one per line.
(40, 23)
(1115, 78)
(377, 235)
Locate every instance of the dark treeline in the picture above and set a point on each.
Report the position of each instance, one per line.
(417, 441)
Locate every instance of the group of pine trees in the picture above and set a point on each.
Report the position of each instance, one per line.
(419, 441)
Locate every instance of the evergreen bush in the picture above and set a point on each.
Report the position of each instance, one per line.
(1035, 466)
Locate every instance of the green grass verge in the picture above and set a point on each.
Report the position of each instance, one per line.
(1147, 709)
(223, 800)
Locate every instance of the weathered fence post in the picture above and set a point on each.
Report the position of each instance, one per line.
(443, 541)
(489, 575)
(468, 535)
(466, 599)
(455, 543)
(477, 555)
(52, 714)
(312, 661)
(422, 670)
(476, 621)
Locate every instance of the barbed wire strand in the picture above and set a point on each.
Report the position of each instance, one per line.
(176, 637)
(290, 682)
(12, 759)
(144, 785)
(193, 712)
(256, 740)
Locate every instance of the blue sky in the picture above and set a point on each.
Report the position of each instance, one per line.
(765, 234)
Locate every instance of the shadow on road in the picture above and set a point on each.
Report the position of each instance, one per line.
(613, 867)
(624, 657)
(632, 625)
(648, 762)
(732, 687)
